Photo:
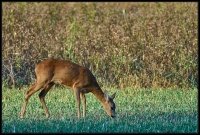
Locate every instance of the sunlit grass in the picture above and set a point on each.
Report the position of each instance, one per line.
(138, 110)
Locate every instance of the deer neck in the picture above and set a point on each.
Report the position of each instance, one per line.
(99, 95)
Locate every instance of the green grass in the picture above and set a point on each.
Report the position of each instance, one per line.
(138, 111)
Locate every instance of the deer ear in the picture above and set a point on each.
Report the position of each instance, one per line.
(106, 96)
(113, 96)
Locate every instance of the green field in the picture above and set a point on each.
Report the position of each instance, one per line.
(138, 111)
(144, 51)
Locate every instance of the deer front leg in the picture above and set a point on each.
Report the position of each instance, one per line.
(84, 103)
(77, 96)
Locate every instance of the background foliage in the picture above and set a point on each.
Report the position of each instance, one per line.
(123, 44)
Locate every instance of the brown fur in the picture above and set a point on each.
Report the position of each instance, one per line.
(65, 72)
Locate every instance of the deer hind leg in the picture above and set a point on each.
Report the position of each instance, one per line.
(34, 88)
(83, 102)
(42, 96)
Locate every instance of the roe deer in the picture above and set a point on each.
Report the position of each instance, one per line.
(65, 72)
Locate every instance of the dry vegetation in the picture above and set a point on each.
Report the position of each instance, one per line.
(124, 44)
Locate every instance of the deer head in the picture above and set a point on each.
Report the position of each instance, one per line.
(109, 105)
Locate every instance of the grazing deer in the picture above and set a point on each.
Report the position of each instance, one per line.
(80, 79)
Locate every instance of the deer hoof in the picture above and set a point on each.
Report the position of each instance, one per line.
(47, 116)
(21, 116)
